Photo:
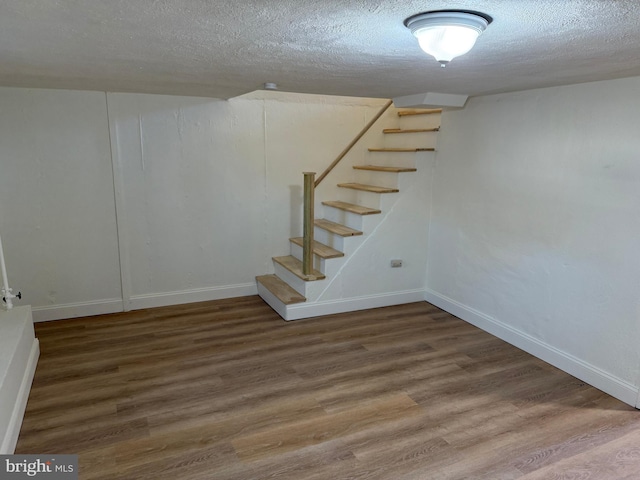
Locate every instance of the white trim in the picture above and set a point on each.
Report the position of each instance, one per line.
(299, 311)
(15, 422)
(152, 300)
(586, 372)
(137, 302)
(74, 310)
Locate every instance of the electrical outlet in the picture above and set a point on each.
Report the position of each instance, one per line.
(396, 263)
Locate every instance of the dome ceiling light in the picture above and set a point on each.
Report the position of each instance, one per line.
(446, 34)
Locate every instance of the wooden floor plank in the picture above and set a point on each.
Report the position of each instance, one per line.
(227, 390)
(300, 434)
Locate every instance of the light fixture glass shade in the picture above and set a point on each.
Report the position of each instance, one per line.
(446, 35)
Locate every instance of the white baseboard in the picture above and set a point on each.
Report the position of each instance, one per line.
(316, 309)
(10, 439)
(590, 374)
(138, 302)
(74, 310)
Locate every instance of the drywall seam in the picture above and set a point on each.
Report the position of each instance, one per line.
(566, 362)
(268, 264)
(119, 197)
(434, 166)
(142, 165)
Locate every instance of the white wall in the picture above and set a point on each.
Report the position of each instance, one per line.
(57, 212)
(156, 199)
(535, 230)
(399, 232)
(210, 190)
(190, 179)
(152, 200)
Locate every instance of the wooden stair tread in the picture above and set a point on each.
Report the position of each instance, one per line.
(281, 289)
(420, 149)
(320, 249)
(425, 111)
(337, 228)
(379, 168)
(351, 207)
(411, 130)
(368, 188)
(294, 265)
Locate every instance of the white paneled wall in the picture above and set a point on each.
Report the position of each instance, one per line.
(112, 201)
(535, 232)
(152, 200)
(190, 182)
(57, 212)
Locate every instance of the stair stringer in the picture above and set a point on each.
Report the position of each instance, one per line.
(330, 267)
(367, 224)
(363, 278)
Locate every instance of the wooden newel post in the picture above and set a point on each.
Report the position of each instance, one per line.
(308, 220)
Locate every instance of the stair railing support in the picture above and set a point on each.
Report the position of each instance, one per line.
(308, 221)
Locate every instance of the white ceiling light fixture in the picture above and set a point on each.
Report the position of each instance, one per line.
(446, 34)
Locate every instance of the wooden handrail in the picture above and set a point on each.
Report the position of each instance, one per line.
(353, 142)
(309, 188)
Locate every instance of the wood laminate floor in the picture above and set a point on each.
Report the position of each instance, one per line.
(227, 390)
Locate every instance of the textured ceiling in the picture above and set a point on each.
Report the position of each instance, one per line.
(225, 48)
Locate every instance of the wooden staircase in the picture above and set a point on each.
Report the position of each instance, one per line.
(289, 285)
